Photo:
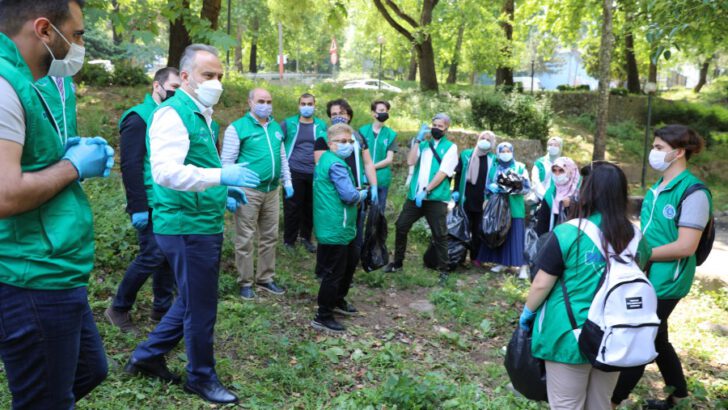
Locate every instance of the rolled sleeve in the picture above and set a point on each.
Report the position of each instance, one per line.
(695, 211)
(450, 161)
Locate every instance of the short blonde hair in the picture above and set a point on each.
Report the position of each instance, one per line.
(339, 129)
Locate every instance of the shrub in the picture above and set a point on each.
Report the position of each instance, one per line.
(128, 75)
(516, 115)
(94, 75)
(619, 91)
(704, 119)
(566, 87)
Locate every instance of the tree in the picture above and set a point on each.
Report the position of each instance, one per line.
(605, 60)
(418, 35)
(179, 36)
(504, 73)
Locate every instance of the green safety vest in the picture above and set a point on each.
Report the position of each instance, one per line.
(260, 147)
(50, 247)
(517, 203)
(63, 108)
(442, 191)
(465, 160)
(671, 279)
(319, 129)
(379, 146)
(144, 110)
(334, 221)
(183, 212)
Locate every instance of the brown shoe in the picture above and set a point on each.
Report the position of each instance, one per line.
(122, 320)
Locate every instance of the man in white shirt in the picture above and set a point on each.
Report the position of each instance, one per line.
(435, 161)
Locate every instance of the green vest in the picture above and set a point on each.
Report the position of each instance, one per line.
(334, 221)
(63, 108)
(518, 204)
(50, 247)
(671, 279)
(319, 129)
(379, 146)
(260, 147)
(442, 191)
(183, 212)
(465, 161)
(144, 110)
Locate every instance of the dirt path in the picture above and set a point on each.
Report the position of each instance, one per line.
(715, 267)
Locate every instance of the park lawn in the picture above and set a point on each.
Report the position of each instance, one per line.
(394, 355)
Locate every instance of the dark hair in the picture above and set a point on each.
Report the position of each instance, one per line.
(341, 103)
(377, 102)
(680, 136)
(15, 13)
(306, 95)
(162, 75)
(604, 191)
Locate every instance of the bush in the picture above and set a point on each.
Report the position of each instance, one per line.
(129, 75)
(94, 75)
(705, 119)
(619, 91)
(566, 87)
(516, 115)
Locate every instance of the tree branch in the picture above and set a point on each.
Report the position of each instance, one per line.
(392, 22)
(402, 14)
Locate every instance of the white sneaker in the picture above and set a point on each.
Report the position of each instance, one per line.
(523, 273)
(497, 268)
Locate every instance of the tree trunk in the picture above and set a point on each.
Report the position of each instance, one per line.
(115, 35)
(239, 47)
(211, 12)
(452, 76)
(703, 74)
(179, 38)
(428, 74)
(652, 73)
(412, 73)
(503, 74)
(633, 75)
(253, 63)
(605, 59)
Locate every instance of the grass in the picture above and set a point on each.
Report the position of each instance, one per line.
(393, 356)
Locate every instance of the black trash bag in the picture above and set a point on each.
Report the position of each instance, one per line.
(374, 253)
(527, 373)
(458, 225)
(496, 221)
(534, 251)
(530, 250)
(510, 181)
(458, 241)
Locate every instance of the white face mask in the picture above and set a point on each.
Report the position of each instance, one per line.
(209, 92)
(505, 156)
(561, 179)
(657, 160)
(553, 151)
(71, 64)
(484, 145)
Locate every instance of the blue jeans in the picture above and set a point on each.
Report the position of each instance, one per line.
(149, 262)
(195, 260)
(50, 346)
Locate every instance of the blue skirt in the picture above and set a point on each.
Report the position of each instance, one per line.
(511, 252)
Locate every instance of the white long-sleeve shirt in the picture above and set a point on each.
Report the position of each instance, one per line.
(447, 166)
(231, 151)
(169, 144)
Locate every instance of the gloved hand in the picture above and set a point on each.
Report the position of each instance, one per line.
(456, 196)
(289, 190)
(424, 129)
(363, 195)
(71, 142)
(140, 220)
(92, 157)
(526, 318)
(375, 194)
(239, 175)
(494, 188)
(236, 197)
(420, 197)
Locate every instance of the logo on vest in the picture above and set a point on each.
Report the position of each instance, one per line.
(633, 303)
(279, 136)
(668, 211)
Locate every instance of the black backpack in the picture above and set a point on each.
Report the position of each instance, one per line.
(708, 237)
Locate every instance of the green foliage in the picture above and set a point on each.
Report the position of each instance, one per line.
(514, 114)
(705, 119)
(566, 87)
(619, 91)
(129, 75)
(94, 75)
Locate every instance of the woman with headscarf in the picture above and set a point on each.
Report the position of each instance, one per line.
(511, 252)
(562, 193)
(541, 171)
(470, 175)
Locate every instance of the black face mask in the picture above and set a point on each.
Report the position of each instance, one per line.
(168, 94)
(382, 116)
(437, 133)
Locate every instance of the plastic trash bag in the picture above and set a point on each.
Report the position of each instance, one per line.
(510, 181)
(458, 241)
(496, 221)
(534, 250)
(530, 249)
(374, 253)
(457, 224)
(527, 373)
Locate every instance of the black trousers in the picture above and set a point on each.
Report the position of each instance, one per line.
(667, 360)
(336, 264)
(474, 220)
(436, 214)
(298, 210)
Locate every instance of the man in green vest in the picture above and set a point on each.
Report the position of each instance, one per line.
(137, 178)
(257, 140)
(191, 190)
(300, 132)
(50, 347)
(435, 161)
(382, 142)
(60, 94)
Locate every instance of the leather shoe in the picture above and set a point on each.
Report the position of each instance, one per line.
(156, 368)
(212, 391)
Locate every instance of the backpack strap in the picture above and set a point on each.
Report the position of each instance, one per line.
(595, 234)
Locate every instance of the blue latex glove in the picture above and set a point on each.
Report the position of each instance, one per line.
(363, 195)
(374, 194)
(236, 198)
(289, 190)
(239, 175)
(71, 142)
(526, 318)
(424, 129)
(420, 197)
(92, 157)
(456, 196)
(140, 220)
(494, 188)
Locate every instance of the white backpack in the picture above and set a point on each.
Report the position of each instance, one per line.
(622, 323)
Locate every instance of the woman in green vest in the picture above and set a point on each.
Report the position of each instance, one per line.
(541, 171)
(511, 252)
(563, 192)
(470, 175)
(674, 239)
(570, 256)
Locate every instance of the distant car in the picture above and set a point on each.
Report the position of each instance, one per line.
(370, 85)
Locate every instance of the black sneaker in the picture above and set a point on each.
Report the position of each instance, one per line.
(271, 287)
(246, 292)
(345, 308)
(666, 404)
(155, 368)
(311, 248)
(393, 267)
(328, 325)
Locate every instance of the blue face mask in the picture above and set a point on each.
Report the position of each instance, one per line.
(263, 110)
(343, 151)
(306, 110)
(338, 120)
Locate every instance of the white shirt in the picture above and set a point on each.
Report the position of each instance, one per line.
(448, 165)
(169, 144)
(231, 151)
(12, 114)
(540, 187)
